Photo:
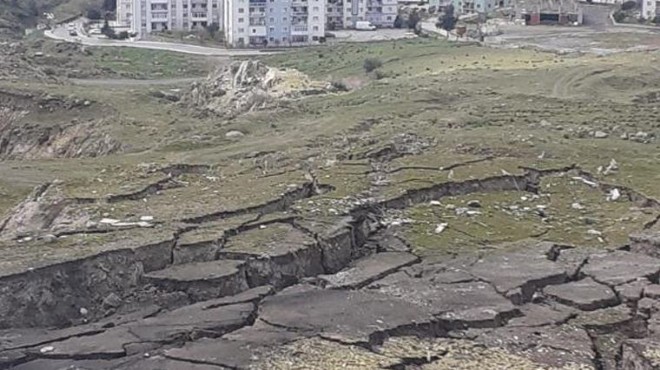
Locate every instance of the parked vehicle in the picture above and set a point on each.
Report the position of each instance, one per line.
(364, 26)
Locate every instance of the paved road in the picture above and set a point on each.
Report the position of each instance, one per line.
(61, 33)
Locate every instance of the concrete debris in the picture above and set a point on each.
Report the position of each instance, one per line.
(613, 195)
(612, 167)
(585, 181)
(250, 85)
(234, 134)
(577, 206)
(474, 204)
(441, 227)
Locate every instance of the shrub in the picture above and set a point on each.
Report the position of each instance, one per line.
(94, 14)
(629, 5)
(379, 75)
(339, 86)
(619, 16)
(372, 64)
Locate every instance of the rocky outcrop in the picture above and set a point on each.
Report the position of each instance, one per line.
(249, 85)
(46, 210)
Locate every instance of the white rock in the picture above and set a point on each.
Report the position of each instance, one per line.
(440, 228)
(234, 134)
(614, 195)
(147, 218)
(577, 206)
(612, 167)
(435, 203)
(47, 349)
(594, 232)
(600, 134)
(110, 221)
(83, 311)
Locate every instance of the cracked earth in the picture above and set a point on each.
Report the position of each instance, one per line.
(428, 221)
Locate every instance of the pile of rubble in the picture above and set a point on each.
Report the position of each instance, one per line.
(250, 85)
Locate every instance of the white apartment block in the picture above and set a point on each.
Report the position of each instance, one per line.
(346, 13)
(650, 9)
(245, 23)
(146, 16)
(262, 23)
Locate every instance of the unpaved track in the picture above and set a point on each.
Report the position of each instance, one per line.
(130, 82)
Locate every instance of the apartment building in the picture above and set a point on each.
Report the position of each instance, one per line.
(346, 13)
(264, 23)
(650, 9)
(146, 16)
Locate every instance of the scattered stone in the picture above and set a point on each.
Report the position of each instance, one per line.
(47, 349)
(112, 301)
(601, 134)
(586, 294)
(577, 206)
(613, 195)
(234, 134)
(440, 228)
(474, 204)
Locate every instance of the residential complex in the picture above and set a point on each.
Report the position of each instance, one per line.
(146, 16)
(245, 23)
(346, 13)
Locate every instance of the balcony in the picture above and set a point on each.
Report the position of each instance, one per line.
(299, 30)
(257, 21)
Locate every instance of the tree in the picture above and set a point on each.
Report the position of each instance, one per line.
(109, 5)
(629, 5)
(108, 31)
(212, 29)
(94, 13)
(413, 20)
(447, 20)
(398, 22)
(371, 64)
